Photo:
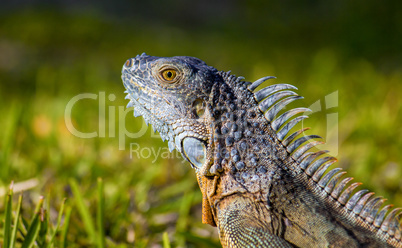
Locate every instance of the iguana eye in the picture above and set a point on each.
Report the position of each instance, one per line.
(194, 150)
(169, 75)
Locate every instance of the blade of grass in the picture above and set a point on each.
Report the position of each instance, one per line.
(83, 210)
(8, 140)
(200, 241)
(38, 206)
(50, 244)
(100, 214)
(66, 225)
(183, 219)
(24, 226)
(44, 225)
(7, 222)
(15, 227)
(32, 232)
(34, 228)
(166, 241)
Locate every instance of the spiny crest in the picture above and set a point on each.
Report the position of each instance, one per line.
(230, 78)
(362, 204)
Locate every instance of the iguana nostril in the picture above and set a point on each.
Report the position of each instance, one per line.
(129, 63)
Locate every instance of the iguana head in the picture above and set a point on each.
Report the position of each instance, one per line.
(172, 95)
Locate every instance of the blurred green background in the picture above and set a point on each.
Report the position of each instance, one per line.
(52, 51)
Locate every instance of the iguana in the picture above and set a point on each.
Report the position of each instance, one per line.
(262, 185)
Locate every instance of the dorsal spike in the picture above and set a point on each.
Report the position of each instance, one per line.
(381, 215)
(270, 100)
(312, 168)
(285, 129)
(318, 174)
(390, 217)
(340, 187)
(361, 203)
(296, 144)
(278, 122)
(355, 197)
(369, 206)
(302, 150)
(257, 83)
(394, 226)
(274, 110)
(398, 234)
(263, 93)
(324, 181)
(307, 161)
(291, 137)
(334, 180)
(346, 193)
(305, 155)
(374, 210)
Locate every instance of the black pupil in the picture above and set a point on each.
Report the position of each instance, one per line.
(169, 74)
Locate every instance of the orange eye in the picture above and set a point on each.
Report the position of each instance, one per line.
(169, 75)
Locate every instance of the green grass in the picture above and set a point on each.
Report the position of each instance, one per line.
(39, 231)
(145, 201)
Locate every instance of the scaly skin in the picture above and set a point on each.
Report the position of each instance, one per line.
(260, 185)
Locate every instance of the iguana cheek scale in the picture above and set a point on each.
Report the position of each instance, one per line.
(261, 184)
